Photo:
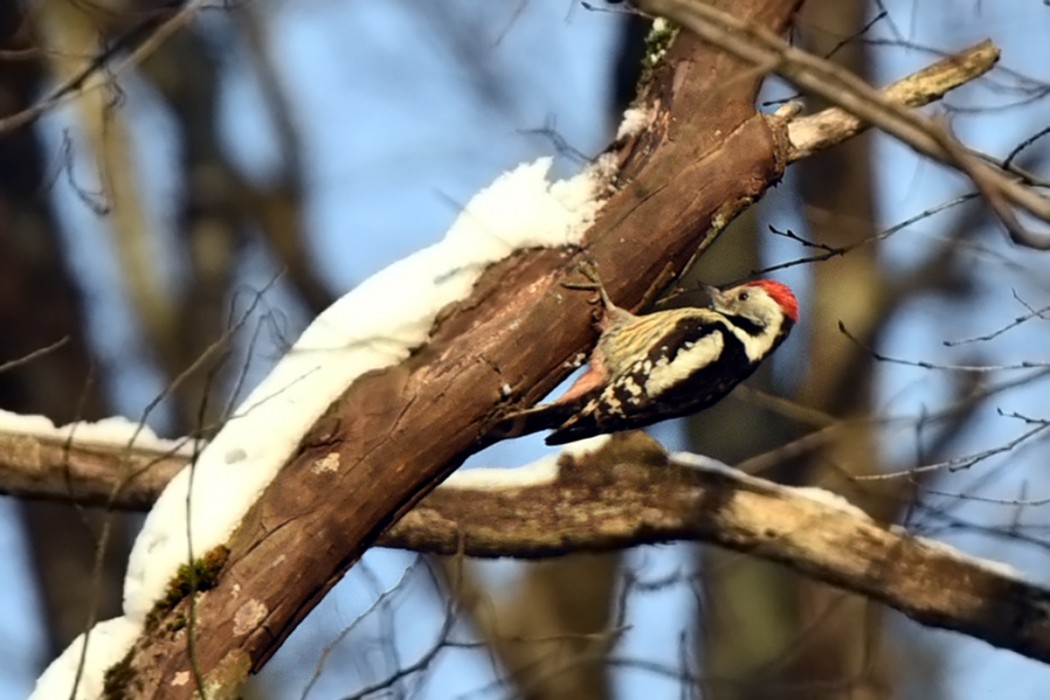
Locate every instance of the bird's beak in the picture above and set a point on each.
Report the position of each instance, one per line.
(713, 293)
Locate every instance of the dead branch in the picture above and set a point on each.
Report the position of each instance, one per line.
(813, 133)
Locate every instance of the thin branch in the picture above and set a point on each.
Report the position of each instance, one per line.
(1032, 313)
(846, 41)
(833, 252)
(922, 364)
(30, 357)
(424, 661)
(828, 429)
(957, 463)
(128, 50)
(1023, 145)
(379, 601)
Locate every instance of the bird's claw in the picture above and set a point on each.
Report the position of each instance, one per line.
(589, 269)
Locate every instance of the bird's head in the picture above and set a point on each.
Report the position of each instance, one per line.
(762, 302)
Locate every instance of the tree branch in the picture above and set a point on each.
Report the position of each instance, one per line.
(630, 492)
(817, 132)
(90, 474)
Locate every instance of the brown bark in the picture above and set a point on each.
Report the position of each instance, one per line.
(74, 472)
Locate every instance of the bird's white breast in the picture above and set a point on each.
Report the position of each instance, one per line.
(666, 372)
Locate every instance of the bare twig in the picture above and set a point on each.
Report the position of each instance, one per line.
(833, 252)
(828, 429)
(1032, 313)
(958, 463)
(26, 359)
(422, 663)
(923, 364)
(376, 604)
(143, 39)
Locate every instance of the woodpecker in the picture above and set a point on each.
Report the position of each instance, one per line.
(666, 364)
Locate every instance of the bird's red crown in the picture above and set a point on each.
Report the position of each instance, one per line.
(782, 294)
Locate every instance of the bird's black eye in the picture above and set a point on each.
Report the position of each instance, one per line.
(743, 296)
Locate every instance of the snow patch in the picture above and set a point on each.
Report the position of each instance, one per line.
(829, 499)
(539, 473)
(691, 459)
(812, 493)
(107, 644)
(586, 446)
(995, 567)
(542, 471)
(635, 121)
(116, 431)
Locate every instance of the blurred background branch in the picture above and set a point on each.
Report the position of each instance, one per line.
(161, 164)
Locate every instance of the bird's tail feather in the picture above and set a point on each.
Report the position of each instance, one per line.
(532, 420)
